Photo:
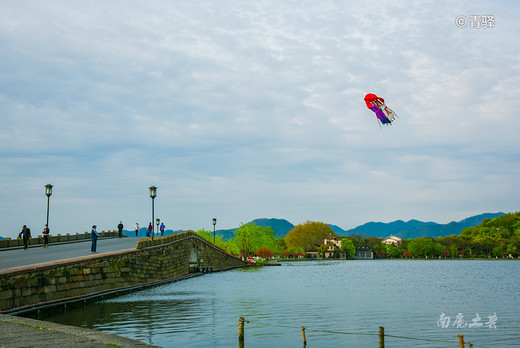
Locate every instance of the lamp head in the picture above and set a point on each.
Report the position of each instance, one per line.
(153, 192)
(48, 190)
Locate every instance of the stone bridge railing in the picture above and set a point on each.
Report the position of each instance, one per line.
(152, 262)
(59, 238)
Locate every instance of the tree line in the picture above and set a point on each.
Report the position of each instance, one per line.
(498, 237)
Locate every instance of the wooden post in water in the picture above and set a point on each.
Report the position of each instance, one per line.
(241, 321)
(381, 337)
(461, 341)
(304, 338)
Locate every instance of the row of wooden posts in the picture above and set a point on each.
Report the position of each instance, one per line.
(242, 321)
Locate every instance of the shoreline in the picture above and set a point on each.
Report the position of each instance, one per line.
(399, 258)
(21, 332)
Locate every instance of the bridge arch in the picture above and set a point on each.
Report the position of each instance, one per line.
(193, 258)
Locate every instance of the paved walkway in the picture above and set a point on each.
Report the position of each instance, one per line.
(16, 257)
(24, 332)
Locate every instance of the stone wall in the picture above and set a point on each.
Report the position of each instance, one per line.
(156, 261)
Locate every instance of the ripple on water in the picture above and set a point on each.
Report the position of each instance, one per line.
(336, 301)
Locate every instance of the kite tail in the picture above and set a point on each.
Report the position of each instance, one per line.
(380, 115)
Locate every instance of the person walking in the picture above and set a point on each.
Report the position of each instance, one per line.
(46, 236)
(94, 236)
(150, 229)
(162, 229)
(120, 229)
(136, 228)
(25, 235)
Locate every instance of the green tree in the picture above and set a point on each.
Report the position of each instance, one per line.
(422, 247)
(491, 235)
(358, 239)
(308, 235)
(483, 243)
(347, 245)
(232, 247)
(373, 243)
(280, 245)
(511, 249)
(498, 252)
(453, 250)
(392, 250)
(250, 237)
(208, 235)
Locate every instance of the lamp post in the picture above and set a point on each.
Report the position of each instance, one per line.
(48, 192)
(214, 223)
(153, 194)
(157, 221)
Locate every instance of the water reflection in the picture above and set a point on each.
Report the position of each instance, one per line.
(353, 297)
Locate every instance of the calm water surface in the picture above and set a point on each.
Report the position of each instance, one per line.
(340, 303)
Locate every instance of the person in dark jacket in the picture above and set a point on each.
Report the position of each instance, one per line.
(162, 229)
(94, 236)
(46, 236)
(150, 229)
(25, 235)
(120, 229)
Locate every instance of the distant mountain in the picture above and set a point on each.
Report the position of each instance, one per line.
(338, 230)
(415, 228)
(405, 230)
(280, 228)
(226, 234)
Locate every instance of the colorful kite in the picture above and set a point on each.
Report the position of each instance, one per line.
(384, 114)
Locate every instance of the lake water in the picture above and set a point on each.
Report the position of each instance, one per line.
(340, 303)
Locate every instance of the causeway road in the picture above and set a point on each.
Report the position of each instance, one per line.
(36, 254)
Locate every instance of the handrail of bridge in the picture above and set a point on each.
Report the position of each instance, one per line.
(157, 241)
(59, 238)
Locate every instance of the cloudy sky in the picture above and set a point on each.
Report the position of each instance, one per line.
(248, 109)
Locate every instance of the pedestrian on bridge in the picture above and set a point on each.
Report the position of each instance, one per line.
(120, 229)
(162, 229)
(25, 235)
(46, 235)
(136, 228)
(94, 236)
(150, 229)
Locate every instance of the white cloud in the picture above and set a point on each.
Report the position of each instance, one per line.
(247, 110)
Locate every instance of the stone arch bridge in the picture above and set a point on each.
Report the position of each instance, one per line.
(153, 262)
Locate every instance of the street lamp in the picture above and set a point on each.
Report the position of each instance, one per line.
(48, 192)
(157, 221)
(153, 194)
(214, 223)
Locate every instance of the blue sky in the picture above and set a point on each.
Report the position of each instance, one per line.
(241, 110)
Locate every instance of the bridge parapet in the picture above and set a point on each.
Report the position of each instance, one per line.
(59, 238)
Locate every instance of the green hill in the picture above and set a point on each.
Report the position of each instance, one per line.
(280, 228)
(415, 228)
(500, 228)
